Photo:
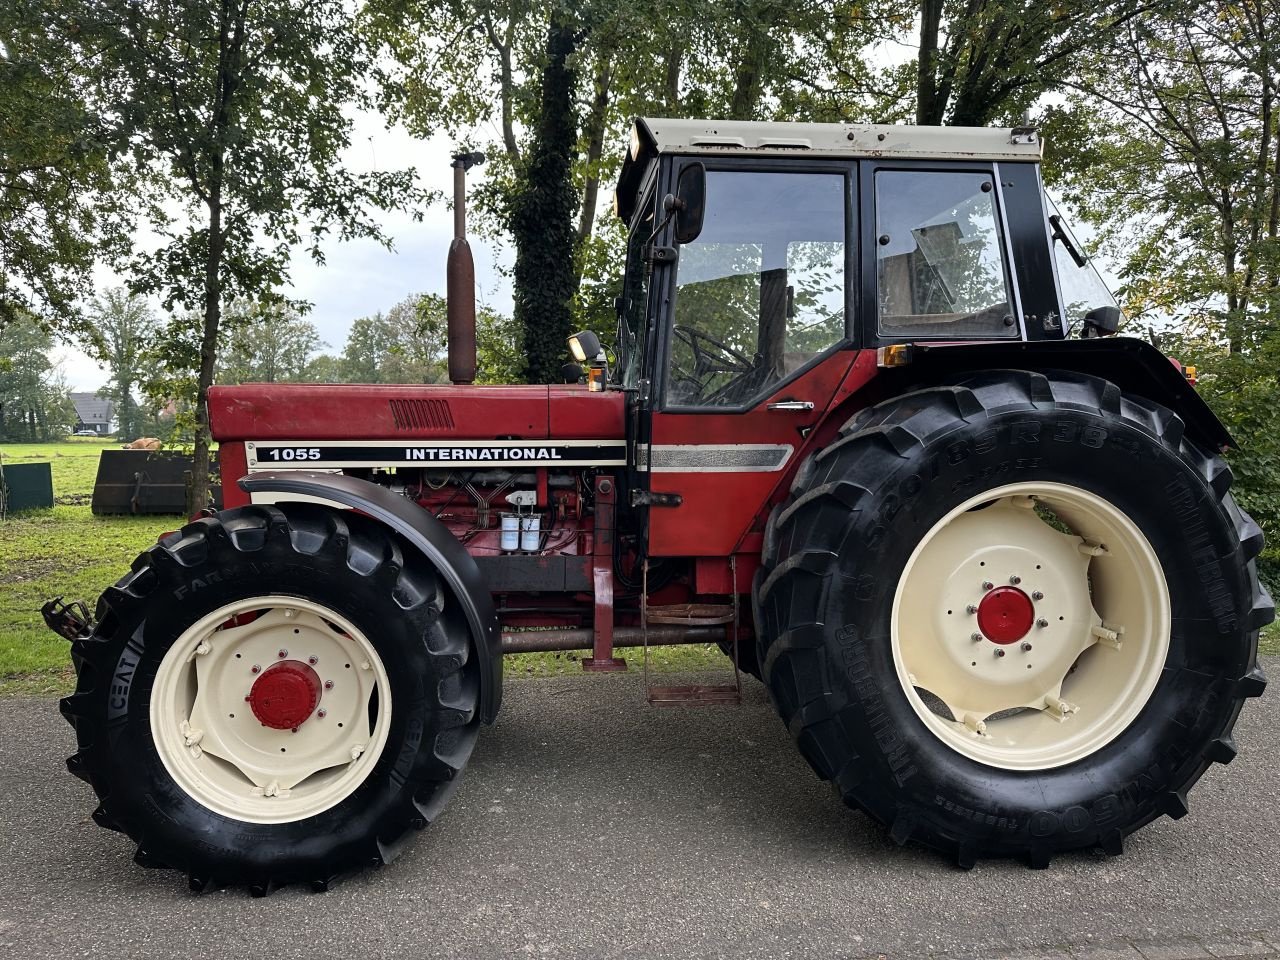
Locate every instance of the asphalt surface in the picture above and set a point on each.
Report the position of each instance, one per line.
(590, 825)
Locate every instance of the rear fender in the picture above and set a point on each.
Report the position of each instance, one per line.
(429, 536)
(1135, 366)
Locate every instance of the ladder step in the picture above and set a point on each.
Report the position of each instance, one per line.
(691, 614)
(695, 695)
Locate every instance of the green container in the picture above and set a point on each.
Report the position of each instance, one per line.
(26, 486)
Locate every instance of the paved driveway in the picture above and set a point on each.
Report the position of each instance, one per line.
(590, 825)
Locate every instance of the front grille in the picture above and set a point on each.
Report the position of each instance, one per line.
(421, 414)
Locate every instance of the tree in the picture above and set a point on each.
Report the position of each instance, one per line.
(122, 325)
(1180, 175)
(238, 113)
(266, 343)
(34, 401)
(62, 203)
(404, 345)
(979, 60)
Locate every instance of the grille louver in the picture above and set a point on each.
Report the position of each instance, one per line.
(421, 415)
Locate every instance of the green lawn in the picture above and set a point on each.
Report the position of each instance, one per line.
(69, 552)
(74, 463)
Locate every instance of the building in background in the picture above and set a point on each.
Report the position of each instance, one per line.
(93, 413)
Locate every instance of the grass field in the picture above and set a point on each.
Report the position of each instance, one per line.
(69, 552)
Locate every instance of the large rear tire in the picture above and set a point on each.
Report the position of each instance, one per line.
(274, 695)
(1014, 616)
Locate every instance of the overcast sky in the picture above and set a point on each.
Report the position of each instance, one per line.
(360, 278)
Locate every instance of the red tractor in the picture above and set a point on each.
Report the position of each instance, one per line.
(864, 424)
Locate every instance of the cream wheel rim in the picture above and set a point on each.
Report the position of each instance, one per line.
(210, 698)
(1080, 576)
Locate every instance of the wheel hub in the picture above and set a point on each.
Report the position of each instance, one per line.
(285, 695)
(1005, 615)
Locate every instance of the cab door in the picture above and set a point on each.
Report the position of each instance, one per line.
(753, 344)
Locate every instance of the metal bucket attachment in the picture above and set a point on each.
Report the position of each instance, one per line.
(25, 486)
(148, 481)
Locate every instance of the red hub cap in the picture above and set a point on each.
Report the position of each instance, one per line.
(285, 694)
(1005, 615)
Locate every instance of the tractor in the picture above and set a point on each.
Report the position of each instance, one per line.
(866, 423)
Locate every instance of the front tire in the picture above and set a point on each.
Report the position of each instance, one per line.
(1023, 725)
(274, 695)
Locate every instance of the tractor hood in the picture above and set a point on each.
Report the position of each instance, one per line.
(327, 411)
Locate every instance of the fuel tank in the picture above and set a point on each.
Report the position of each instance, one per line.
(328, 411)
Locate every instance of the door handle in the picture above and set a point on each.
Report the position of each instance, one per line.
(797, 405)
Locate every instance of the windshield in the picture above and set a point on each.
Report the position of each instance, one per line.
(1082, 287)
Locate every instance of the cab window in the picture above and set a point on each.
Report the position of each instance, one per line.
(761, 292)
(940, 264)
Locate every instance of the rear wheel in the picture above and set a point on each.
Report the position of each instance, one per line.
(1014, 616)
(274, 695)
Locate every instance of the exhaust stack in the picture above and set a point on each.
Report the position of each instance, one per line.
(460, 279)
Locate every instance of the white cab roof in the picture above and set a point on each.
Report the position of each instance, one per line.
(730, 137)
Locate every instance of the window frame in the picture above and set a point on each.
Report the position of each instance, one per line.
(870, 252)
(848, 169)
(647, 194)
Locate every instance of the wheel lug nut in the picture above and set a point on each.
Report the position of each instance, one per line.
(999, 652)
(313, 660)
(975, 637)
(1037, 595)
(971, 609)
(321, 714)
(283, 653)
(987, 585)
(1015, 579)
(255, 669)
(1026, 647)
(328, 684)
(1042, 622)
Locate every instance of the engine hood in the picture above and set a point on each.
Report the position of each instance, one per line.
(313, 411)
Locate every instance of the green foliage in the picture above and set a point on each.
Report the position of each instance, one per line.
(34, 401)
(266, 343)
(62, 202)
(407, 344)
(122, 326)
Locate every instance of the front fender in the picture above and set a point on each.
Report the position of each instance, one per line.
(430, 537)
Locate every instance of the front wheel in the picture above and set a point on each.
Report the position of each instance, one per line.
(274, 695)
(1014, 616)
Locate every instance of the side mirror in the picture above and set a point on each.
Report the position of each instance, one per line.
(1101, 322)
(690, 202)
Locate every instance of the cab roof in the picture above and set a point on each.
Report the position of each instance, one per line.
(653, 136)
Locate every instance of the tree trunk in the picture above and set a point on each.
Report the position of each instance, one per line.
(928, 109)
(208, 352)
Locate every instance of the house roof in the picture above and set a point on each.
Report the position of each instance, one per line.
(91, 408)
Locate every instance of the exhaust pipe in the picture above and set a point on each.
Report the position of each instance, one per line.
(460, 279)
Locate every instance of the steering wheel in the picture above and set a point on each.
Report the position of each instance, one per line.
(704, 363)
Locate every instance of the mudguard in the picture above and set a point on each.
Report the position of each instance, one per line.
(430, 537)
(1133, 365)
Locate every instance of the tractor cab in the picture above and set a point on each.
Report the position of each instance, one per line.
(766, 265)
